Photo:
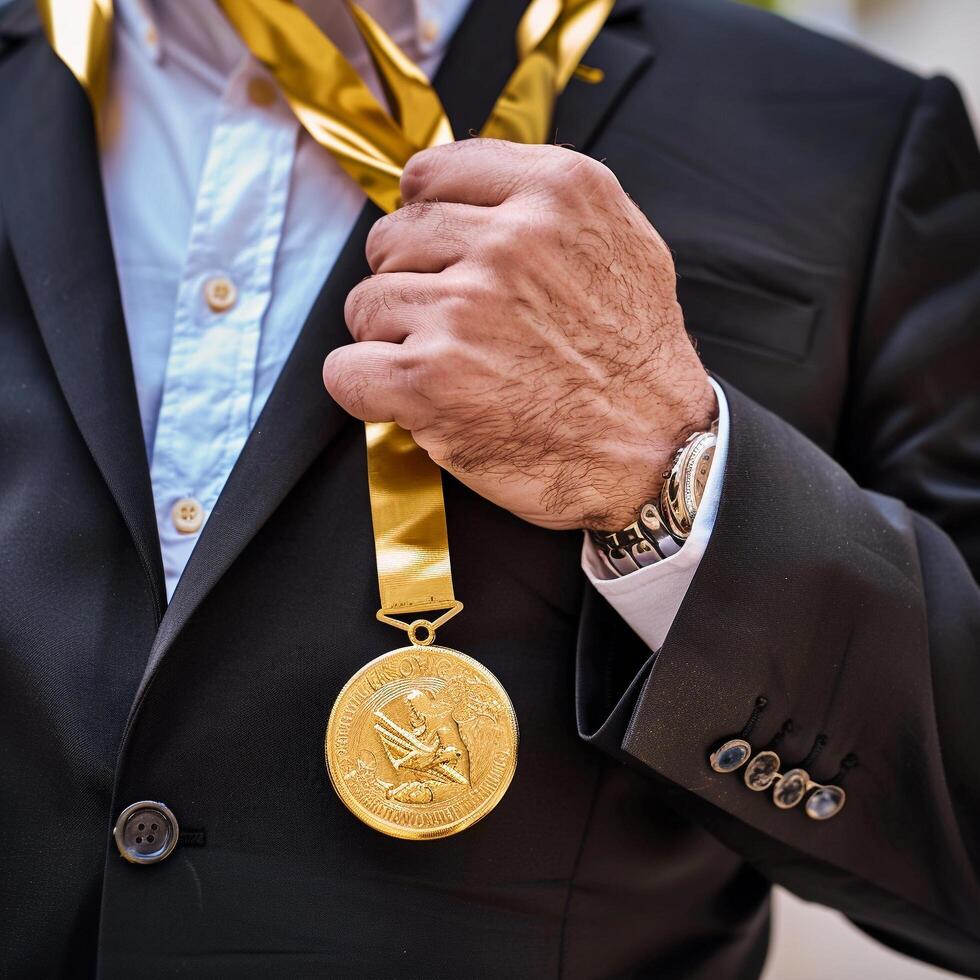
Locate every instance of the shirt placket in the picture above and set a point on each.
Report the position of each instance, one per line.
(224, 292)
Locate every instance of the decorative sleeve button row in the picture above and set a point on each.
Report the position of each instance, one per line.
(788, 788)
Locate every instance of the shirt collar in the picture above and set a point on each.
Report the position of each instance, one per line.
(434, 21)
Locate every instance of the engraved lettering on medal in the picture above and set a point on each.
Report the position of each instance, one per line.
(423, 740)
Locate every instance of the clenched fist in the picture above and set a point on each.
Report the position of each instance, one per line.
(522, 322)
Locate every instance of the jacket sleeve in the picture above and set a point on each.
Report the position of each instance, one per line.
(841, 591)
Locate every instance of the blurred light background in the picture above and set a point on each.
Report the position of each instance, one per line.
(930, 37)
(926, 36)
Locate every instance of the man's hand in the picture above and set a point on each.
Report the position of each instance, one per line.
(522, 322)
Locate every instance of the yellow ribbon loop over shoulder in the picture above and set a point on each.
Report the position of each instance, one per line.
(552, 38)
(80, 31)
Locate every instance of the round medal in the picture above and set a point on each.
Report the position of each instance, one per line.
(421, 742)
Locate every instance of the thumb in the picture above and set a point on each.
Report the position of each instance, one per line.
(368, 381)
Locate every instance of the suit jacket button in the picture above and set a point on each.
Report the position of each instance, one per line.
(146, 832)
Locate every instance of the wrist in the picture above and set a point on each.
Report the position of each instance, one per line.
(646, 464)
(660, 526)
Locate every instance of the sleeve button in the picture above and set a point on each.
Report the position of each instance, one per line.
(790, 788)
(825, 802)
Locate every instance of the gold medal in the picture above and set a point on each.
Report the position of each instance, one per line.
(421, 742)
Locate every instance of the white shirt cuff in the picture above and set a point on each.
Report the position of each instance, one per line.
(649, 598)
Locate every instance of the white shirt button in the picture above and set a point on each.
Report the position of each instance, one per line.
(430, 30)
(187, 515)
(220, 293)
(261, 92)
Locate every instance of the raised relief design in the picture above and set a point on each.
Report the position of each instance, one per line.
(422, 742)
(443, 741)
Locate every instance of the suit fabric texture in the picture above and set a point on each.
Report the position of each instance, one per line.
(824, 212)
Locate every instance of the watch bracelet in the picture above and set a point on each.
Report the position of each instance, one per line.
(663, 525)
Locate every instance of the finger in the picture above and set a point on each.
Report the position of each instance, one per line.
(425, 236)
(390, 306)
(369, 381)
(476, 171)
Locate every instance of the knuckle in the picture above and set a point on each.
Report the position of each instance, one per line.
(499, 238)
(362, 305)
(594, 169)
(467, 293)
(378, 242)
(417, 173)
(483, 146)
(600, 178)
(440, 355)
(415, 210)
(340, 380)
(425, 365)
(407, 295)
(581, 174)
(449, 228)
(552, 162)
(510, 233)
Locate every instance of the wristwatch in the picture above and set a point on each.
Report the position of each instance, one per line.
(663, 525)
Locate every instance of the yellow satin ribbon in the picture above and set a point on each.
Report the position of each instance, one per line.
(373, 144)
(80, 31)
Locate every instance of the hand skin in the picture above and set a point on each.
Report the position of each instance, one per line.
(522, 322)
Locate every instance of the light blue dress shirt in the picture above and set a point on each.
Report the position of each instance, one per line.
(226, 218)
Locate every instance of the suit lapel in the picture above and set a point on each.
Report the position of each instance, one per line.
(300, 419)
(583, 106)
(55, 215)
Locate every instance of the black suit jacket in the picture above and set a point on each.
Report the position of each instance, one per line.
(824, 210)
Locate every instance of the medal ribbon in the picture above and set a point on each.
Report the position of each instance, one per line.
(373, 144)
(81, 35)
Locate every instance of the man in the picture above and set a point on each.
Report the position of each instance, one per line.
(174, 632)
